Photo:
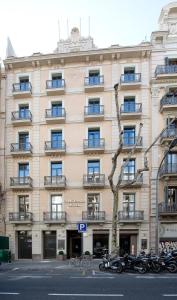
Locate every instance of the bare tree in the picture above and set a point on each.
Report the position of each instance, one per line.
(117, 183)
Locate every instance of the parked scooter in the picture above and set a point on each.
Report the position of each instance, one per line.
(113, 265)
(134, 263)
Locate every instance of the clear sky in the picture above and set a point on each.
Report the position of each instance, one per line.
(33, 25)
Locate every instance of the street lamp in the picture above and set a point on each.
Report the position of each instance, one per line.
(171, 146)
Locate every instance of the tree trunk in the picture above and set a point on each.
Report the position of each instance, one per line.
(114, 222)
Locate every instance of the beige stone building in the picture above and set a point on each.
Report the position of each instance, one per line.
(61, 132)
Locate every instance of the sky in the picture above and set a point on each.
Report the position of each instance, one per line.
(32, 26)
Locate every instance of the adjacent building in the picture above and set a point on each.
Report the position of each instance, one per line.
(61, 133)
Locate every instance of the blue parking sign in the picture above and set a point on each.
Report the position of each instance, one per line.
(82, 227)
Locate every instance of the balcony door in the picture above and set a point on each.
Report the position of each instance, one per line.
(171, 162)
(129, 104)
(129, 205)
(129, 170)
(56, 139)
(24, 141)
(23, 172)
(94, 77)
(93, 167)
(171, 197)
(23, 111)
(56, 206)
(56, 169)
(56, 80)
(93, 138)
(129, 136)
(24, 207)
(57, 109)
(129, 74)
(94, 106)
(24, 83)
(93, 204)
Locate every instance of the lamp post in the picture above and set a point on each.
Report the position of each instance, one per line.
(171, 146)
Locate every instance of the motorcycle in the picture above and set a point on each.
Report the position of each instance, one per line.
(113, 265)
(134, 263)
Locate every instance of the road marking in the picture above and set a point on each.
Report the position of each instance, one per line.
(14, 269)
(169, 295)
(92, 277)
(15, 278)
(6, 293)
(88, 295)
(156, 277)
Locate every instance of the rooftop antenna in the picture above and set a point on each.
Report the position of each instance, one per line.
(59, 29)
(67, 28)
(89, 25)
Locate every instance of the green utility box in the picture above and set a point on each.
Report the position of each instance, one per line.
(4, 242)
(5, 254)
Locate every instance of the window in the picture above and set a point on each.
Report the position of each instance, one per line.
(24, 141)
(171, 162)
(93, 138)
(129, 204)
(24, 111)
(94, 77)
(171, 196)
(93, 204)
(23, 170)
(57, 109)
(56, 139)
(23, 204)
(129, 74)
(94, 106)
(57, 80)
(129, 136)
(56, 169)
(129, 70)
(129, 104)
(56, 206)
(24, 83)
(93, 166)
(129, 170)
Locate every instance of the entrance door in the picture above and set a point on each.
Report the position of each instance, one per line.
(49, 244)
(74, 243)
(24, 244)
(100, 244)
(128, 244)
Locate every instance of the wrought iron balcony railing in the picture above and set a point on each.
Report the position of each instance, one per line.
(55, 84)
(130, 141)
(166, 69)
(169, 169)
(22, 87)
(168, 100)
(21, 216)
(21, 147)
(94, 143)
(169, 133)
(55, 145)
(18, 115)
(128, 177)
(165, 208)
(96, 216)
(131, 215)
(95, 109)
(94, 80)
(21, 181)
(94, 179)
(55, 113)
(130, 78)
(55, 180)
(54, 216)
(129, 108)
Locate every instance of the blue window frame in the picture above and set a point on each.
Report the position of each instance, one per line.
(23, 170)
(129, 136)
(57, 109)
(93, 138)
(23, 111)
(57, 80)
(129, 104)
(24, 141)
(24, 84)
(56, 139)
(93, 167)
(94, 77)
(56, 169)
(129, 170)
(94, 106)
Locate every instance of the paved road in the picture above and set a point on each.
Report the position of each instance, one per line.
(57, 281)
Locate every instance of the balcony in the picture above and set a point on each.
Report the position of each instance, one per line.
(94, 146)
(166, 71)
(54, 217)
(127, 179)
(21, 118)
(129, 143)
(22, 90)
(130, 111)
(168, 103)
(130, 81)
(168, 135)
(55, 182)
(94, 181)
(168, 170)
(53, 147)
(96, 217)
(55, 115)
(94, 84)
(21, 183)
(55, 87)
(21, 218)
(94, 113)
(130, 216)
(167, 210)
(21, 149)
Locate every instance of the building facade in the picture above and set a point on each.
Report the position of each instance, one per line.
(61, 133)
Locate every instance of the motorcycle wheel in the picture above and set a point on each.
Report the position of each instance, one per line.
(102, 267)
(142, 268)
(172, 268)
(118, 268)
(156, 268)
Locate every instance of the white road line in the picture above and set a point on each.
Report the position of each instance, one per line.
(91, 277)
(14, 269)
(88, 295)
(6, 293)
(169, 295)
(156, 277)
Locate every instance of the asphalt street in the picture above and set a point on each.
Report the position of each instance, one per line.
(52, 281)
